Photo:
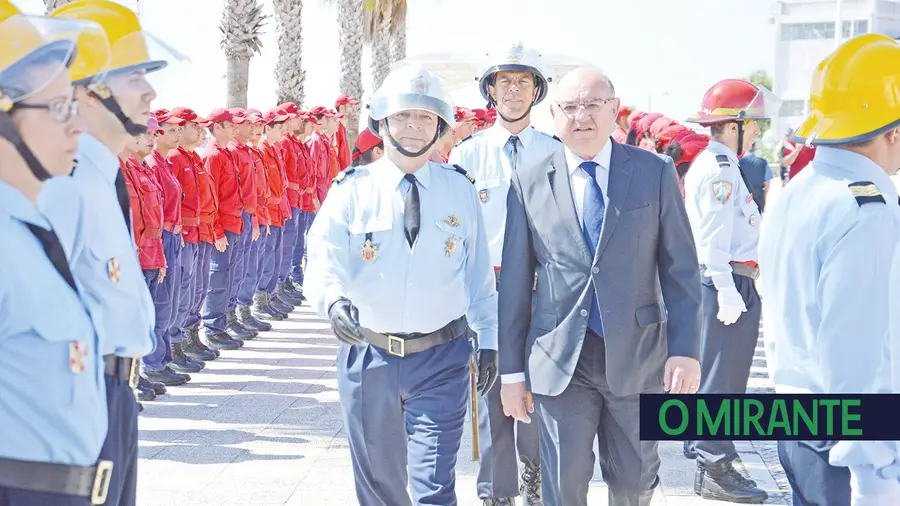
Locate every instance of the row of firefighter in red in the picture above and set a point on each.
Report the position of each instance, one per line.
(261, 163)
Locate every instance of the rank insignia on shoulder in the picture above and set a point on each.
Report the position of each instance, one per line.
(452, 220)
(865, 192)
(723, 161)
(462, 171)
(722, 190)
(112, 269)
(343, 174)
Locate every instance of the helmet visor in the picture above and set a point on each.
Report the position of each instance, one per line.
(37, 50)
(765, 105)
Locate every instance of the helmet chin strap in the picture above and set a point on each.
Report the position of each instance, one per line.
(409, 154)
(9, 132)
(493, 103)
(740, 139)
(105, 96)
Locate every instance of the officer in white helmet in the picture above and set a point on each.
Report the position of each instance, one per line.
(514, 80)
(399, 262)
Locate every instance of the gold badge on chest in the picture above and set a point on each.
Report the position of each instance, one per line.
(369, 252)
(112, 269)
(452, 221)
(450, 246)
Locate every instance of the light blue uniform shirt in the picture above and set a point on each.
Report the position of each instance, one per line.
(724, 218)
(486, 156)
(825, 262)
(52, 392)
(101, 252)
(445, 275)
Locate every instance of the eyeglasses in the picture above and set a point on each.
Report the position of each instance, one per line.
(592, 107)
(61, 109)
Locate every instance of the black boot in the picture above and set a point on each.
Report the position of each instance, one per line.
(286, 296)
(234, 329)
(500, 501)
(262, 309)
(194, 348)
(246, 318)
(145, 394)
(296, 287)
(280, 304)
(222, 341)
(181, 362)
(167, 377)
(531, 484)
(158, 388)
(725, 483)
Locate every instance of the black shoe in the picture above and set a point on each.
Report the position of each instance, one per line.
(247, 320)
(297, 288)
(725, 483)
(286, 296)
(145, 394)
(222, 341)
(194, 348)
(262, 309)
(167, 377)
(531, 485)
(140, 407)
(181, 362)
(279, 305)
(187, 377)
(158, 388)
(235, 330)
(500, 501)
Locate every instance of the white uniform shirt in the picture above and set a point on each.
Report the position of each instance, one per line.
(724, 218)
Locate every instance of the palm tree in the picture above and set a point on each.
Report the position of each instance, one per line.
(350, 28)
(242, 22)
(386, 31)
(52, 5)
(398, 33)
(289, 73)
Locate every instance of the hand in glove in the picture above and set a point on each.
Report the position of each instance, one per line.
(731, 305)
(487, 370)
(345, 321)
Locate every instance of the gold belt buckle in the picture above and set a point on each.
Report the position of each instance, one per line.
(102, 478)
(133, 373)
(400, 345)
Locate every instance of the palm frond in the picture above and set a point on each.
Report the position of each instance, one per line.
(241, 27)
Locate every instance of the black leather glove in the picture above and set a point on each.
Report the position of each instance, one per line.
(345, 321)
(487, 370)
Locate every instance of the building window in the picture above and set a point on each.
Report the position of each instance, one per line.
(792, 108)
(807, 31)
(858, 28)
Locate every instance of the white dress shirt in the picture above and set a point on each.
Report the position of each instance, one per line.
(578, 181)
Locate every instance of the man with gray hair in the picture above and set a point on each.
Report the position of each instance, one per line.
(599, 298)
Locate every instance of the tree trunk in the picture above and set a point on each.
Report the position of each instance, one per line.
(381, 48)
(238, 77)
(350, 29)
(54, 4)
(398, 43)
(289, 74)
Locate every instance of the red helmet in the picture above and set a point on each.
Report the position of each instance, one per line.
(643, 125)
(691, 146)
(668, 134)
(734, 100)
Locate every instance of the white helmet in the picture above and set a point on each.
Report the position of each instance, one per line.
(411, 87)
(514, 58)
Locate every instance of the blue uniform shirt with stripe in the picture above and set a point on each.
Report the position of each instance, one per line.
(825, 254)
(102, 252)
(446, 274)
(52, 392)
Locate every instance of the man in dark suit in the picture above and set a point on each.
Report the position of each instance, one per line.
(599, 298)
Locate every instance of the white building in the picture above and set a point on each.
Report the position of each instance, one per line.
(806, 35)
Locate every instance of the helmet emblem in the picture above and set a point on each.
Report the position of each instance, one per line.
(516, 51)
(419, 85)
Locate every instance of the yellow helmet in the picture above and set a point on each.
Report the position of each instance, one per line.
(128, 43)
(855, 93)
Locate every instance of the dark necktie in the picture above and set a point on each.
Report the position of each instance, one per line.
(54, 250)
(513, 144)
(122, 195)
(592, 223)
(411, 218)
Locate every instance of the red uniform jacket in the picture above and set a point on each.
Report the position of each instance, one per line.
(308, 177)
(342, 144)
(319, 156)
(186, 173)
(288, 151)
(150, 193)
(172, 193)
(243, 163)
(220, 166)
(134, 200)
(277, 184)
(209, 203)
(261, 180)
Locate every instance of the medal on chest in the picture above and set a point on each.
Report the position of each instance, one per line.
(77, 356)
(450, 246)
(368, 252)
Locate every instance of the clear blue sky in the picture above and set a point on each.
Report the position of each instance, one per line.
(670, 49)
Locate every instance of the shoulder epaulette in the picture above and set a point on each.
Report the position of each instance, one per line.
(343, 175)
(723, 160)
(865, 192)
(464, 140)
(462, 171)
(557, 138)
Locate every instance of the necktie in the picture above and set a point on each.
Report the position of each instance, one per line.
(122, 195)
(592, 223)
(411, 218)
(513, 144)
(54, 250)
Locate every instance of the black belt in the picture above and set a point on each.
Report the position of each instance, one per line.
(123, 368)
(78, 481)
(401, 345)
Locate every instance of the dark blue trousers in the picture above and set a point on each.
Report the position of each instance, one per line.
(165, 296)
(288, 243)
(303, 223)
(240, 261)
(404, 419)
(221, 277)
(121, 444)
(726, 354)
(814, 482)
(185, 292)
(199, 284)
(250, 279)
(270, 261)
(19, 497)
